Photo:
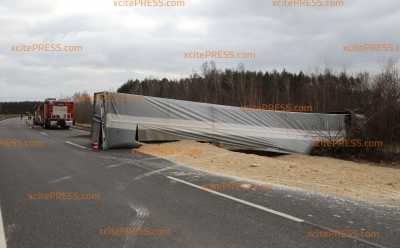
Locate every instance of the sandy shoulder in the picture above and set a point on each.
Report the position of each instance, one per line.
(359, 181)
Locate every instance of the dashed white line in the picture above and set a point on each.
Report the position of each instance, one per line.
(60, 179)
(3, 243)
(76, 145)
(286, 216)
(116, 165)
(43, 133)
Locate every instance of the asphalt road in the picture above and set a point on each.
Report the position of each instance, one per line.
(166, 199)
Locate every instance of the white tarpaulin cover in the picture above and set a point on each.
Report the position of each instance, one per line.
(120, 120)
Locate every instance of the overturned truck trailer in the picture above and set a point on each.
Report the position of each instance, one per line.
(123, 120)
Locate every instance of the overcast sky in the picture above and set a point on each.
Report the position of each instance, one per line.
(121, 43)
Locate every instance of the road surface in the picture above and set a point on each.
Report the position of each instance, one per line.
(166, 199)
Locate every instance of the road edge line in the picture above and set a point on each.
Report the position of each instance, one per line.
(286, 216)
(265, 209)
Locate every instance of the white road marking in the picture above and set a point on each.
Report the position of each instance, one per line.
(43, 133)
(3, 243)
(60, 179)
(76, 145)
(123, 186)
(129, 160)
(116, 165)
(134, 162)
(141, 214)
(152, 172)
(286, 216)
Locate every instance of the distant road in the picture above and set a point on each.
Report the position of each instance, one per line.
(3, 117)
(152, 194)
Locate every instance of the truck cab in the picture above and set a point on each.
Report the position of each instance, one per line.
(53, 113)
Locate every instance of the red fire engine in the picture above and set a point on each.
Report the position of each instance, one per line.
(53, 113)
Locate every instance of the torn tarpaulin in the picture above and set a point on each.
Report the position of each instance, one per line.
(120, 120)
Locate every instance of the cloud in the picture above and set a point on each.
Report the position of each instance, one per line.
(121, 43)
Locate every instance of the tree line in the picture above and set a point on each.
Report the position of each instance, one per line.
(7, 108)
(376, 97)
